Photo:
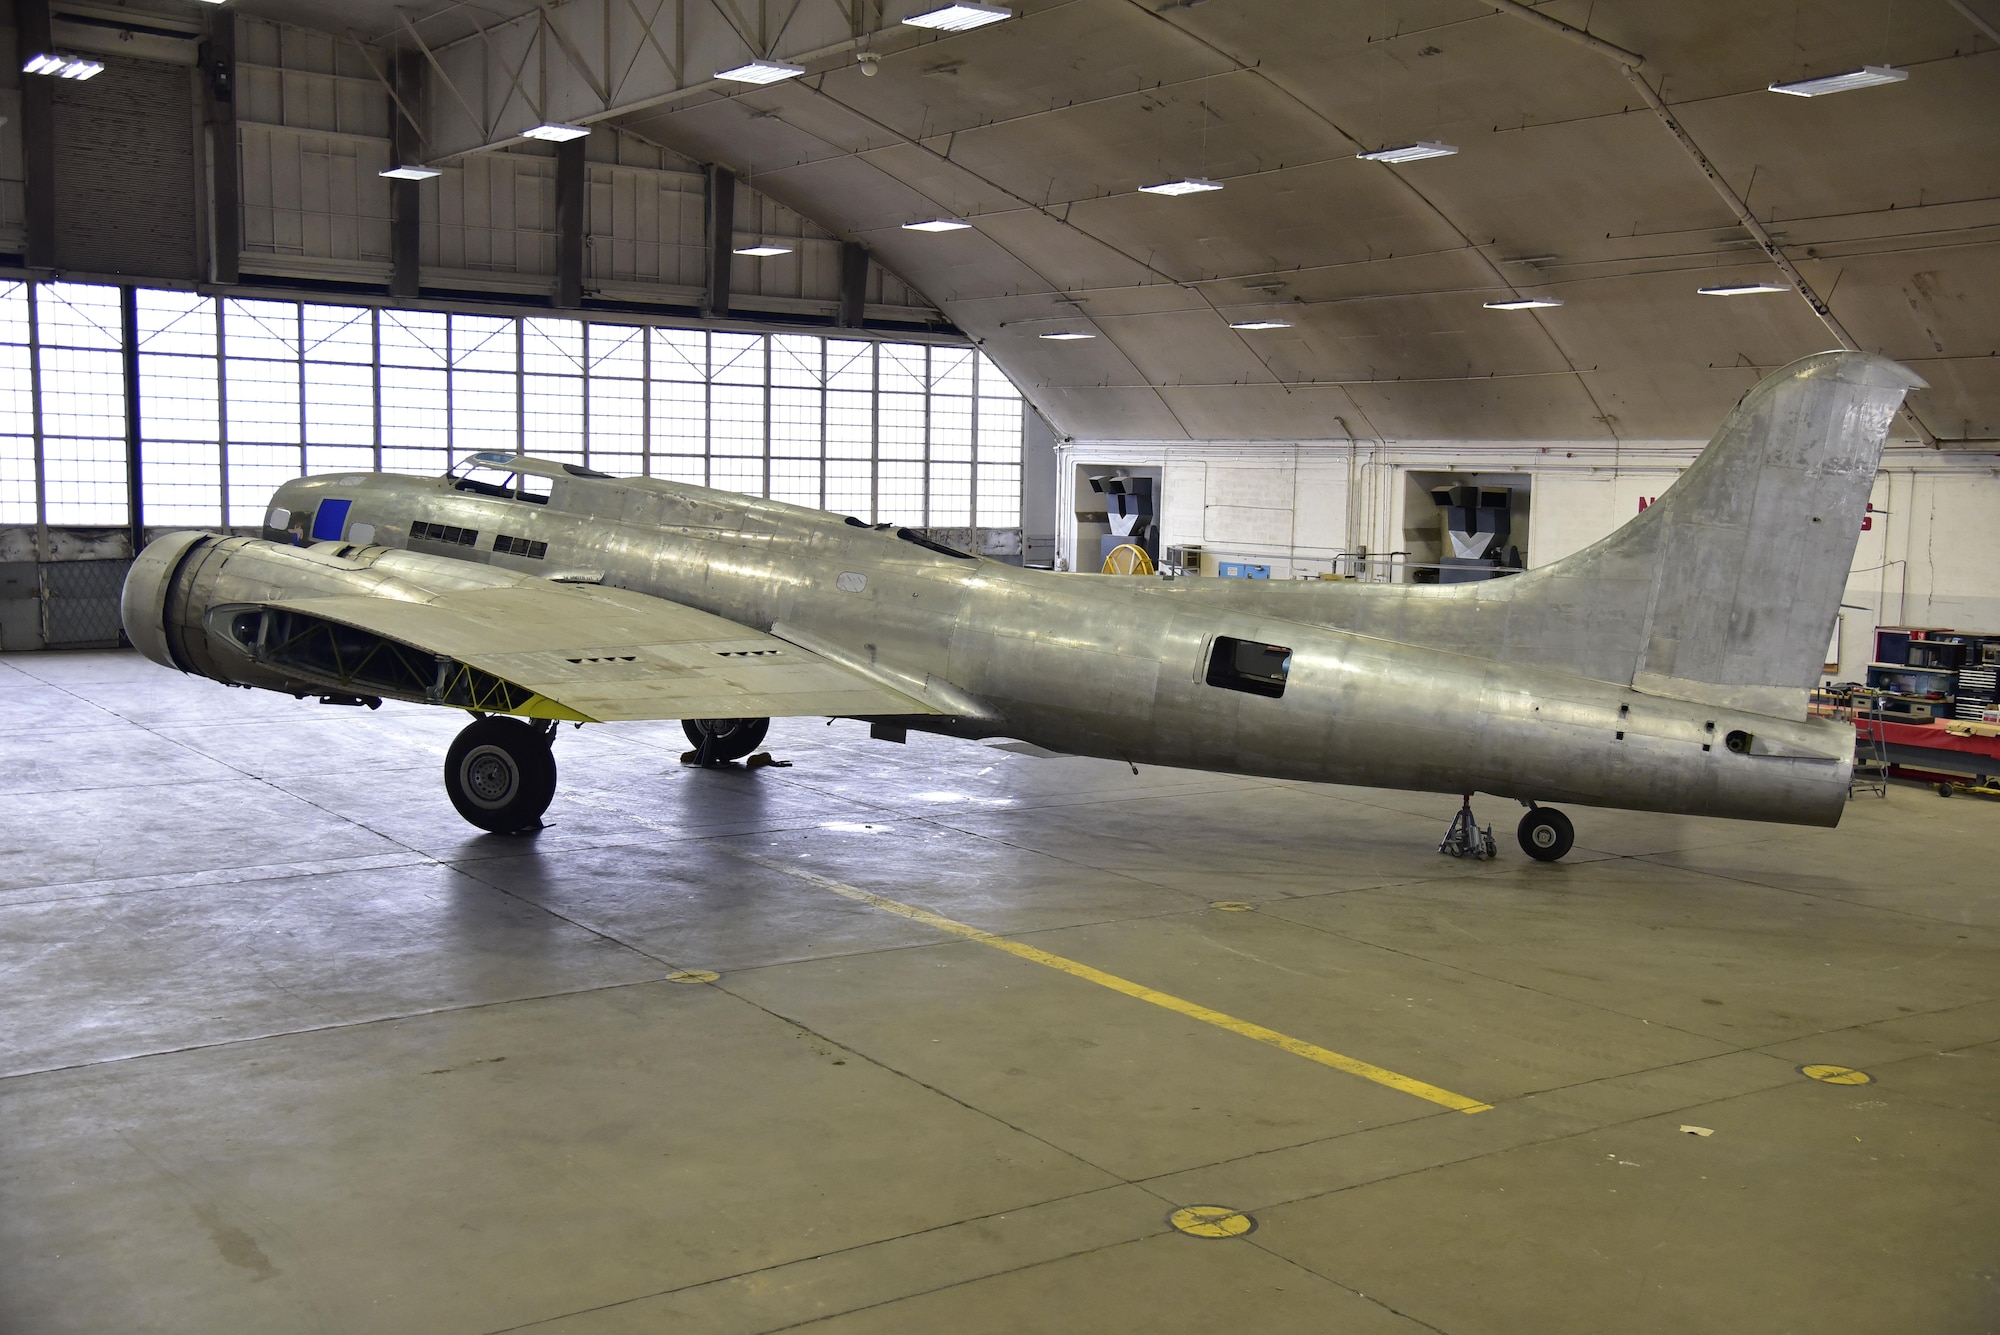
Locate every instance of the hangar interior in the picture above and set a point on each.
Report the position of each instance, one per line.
(954, 1034)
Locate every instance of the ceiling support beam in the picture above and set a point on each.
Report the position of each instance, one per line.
(582, 61)
(1629, 64)
(721, 218)
(1991, 33)
(570, 171)
(38, 135)
(405, 197)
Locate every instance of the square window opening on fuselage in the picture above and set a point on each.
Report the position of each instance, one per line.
(1249, 666)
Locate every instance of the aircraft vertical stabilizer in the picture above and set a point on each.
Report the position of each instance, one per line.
(1725, 590)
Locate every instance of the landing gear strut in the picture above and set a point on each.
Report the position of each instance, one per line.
(501, 774)
(1546, 834)
(1465, 839)
(717, 741)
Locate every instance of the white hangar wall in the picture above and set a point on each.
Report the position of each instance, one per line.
(1929, 557)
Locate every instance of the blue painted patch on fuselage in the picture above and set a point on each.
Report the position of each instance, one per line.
(330, 520)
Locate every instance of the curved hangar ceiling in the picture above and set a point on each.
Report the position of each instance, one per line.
(1043, 130)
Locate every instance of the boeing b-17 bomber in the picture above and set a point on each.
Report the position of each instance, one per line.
(1666, 668)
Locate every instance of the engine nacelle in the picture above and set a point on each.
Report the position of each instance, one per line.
(208, 605)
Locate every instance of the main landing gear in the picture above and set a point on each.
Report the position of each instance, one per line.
(717, 741)
(501, 773)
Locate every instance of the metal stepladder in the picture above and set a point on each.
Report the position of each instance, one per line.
(1871, 752)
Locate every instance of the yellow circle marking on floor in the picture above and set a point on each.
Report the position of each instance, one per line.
(1836, 1075)
(1211, 1221)
(1232, 906)
(692, 976)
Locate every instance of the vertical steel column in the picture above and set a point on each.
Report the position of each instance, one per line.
(405, 209)
(853, 284)
(721, 210)
(38, 135)
(570, 174)
(222, 408)
(35, 398)
(135, 470)
(225, 208)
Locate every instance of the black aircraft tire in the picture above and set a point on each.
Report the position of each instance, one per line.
(734, 738)
(1546, 834)
(501, 775)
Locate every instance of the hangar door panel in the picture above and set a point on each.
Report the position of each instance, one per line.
(125, 170)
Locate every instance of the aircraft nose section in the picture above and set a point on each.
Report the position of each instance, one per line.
(143, 603)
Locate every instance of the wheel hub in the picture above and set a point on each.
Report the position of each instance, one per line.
(490, 776)
(1544, 836)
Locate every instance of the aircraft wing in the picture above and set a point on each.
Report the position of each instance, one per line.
(604, 654)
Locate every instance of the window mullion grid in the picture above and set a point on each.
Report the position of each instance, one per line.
(646, 402)
(520, 387)
(584, 370)
(708, 408)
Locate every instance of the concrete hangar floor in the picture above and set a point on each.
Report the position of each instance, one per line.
(291, 1048)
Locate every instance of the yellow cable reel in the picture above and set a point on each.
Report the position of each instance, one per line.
(1128, 559)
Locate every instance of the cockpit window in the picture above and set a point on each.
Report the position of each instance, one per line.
(486, 479)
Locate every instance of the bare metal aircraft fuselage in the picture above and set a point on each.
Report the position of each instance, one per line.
(1116, 666)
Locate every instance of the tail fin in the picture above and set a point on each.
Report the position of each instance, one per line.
(1725, 590)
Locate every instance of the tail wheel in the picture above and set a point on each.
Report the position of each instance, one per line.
(721, 739)
(501, 775)
(1546, 834)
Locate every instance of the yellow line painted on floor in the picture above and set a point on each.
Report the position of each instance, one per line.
(1193, 1010)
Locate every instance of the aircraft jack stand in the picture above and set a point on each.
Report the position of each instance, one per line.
(1465, 839)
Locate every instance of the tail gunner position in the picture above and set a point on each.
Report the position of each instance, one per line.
(1665, 668)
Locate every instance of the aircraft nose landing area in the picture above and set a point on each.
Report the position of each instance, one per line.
(932, 1037)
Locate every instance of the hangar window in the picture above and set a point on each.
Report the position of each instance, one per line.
(1249, 666)
(236, 395)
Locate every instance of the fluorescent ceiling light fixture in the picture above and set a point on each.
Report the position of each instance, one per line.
(1868, 76)
(1522, 303)
(1260, 324)
(761, 71)
(61, 66)
(1192, 185)
(1740, 289)
(1417, 152)
(1066, 336)
(937, 225)
(410, 172)
(959, 17)
(556, 133)
(763, 251)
